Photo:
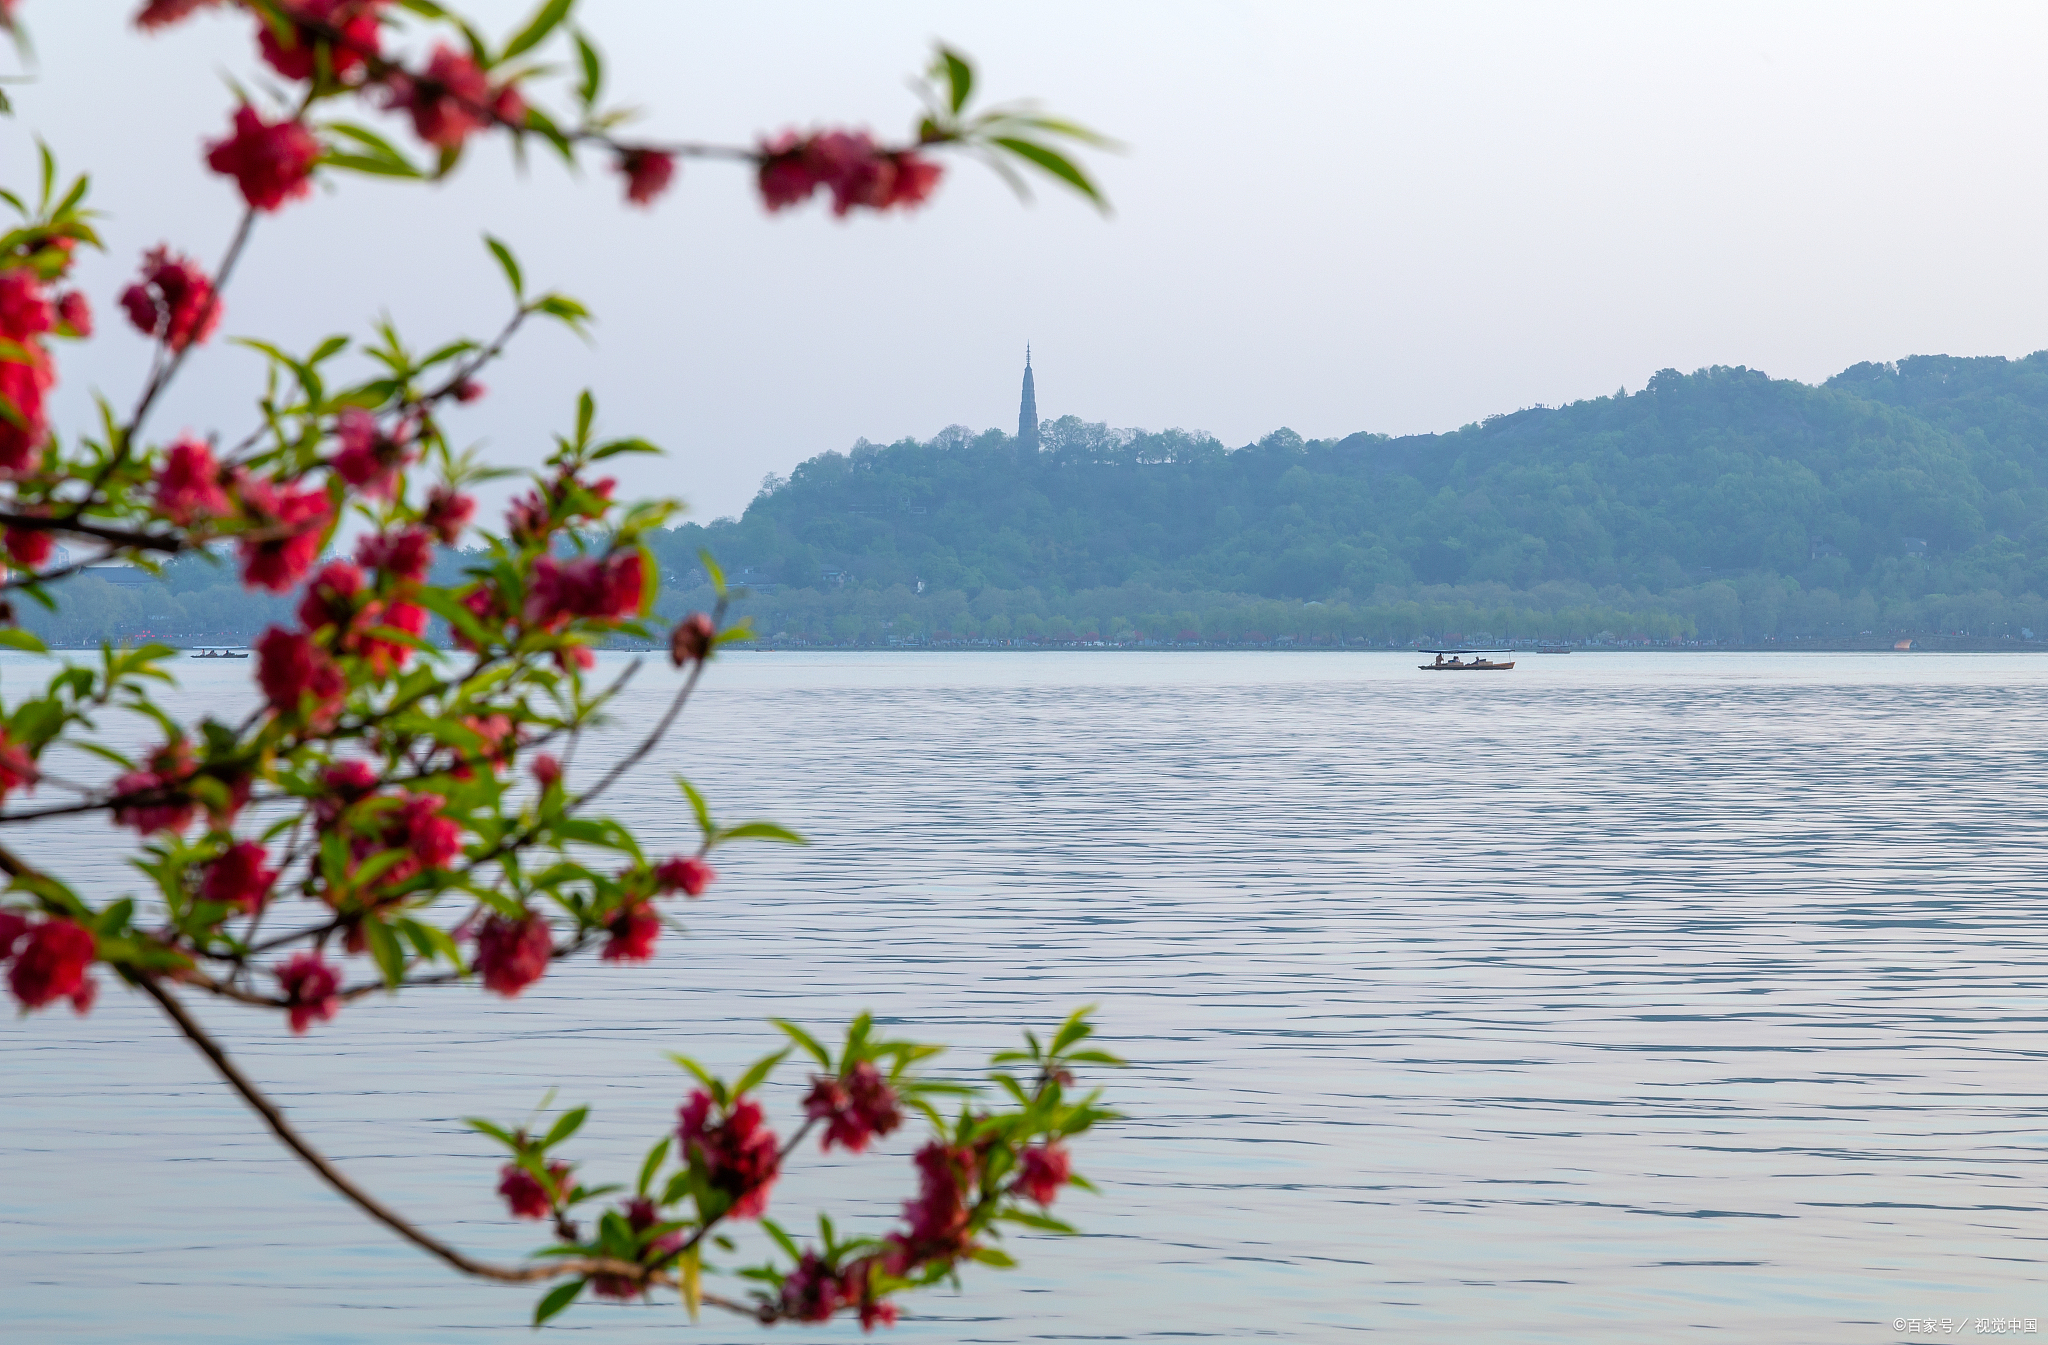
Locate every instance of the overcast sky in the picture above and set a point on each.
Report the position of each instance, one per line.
(1333, 217)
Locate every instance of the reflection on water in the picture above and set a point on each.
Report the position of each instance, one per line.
(1607, 999)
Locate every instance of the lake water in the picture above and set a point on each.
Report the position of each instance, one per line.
(1620, 997)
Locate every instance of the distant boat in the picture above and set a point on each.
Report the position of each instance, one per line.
(1553, 649)
(1458, 663)
(219, 653)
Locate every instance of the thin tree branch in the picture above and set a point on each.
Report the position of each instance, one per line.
(369, 1204)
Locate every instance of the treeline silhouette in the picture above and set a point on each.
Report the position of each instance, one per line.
(1722, 505)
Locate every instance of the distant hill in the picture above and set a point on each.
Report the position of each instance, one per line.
(1906, 499)
(1722, 505)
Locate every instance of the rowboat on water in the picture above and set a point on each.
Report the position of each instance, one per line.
(1455, 660)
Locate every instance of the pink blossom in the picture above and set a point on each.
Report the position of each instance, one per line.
(293, 57)
(28, 548)
(330, 597)
(51, 964)
(24, 384)
(448, 513)
(738, 1152)
(271, 162)
(17, 767)
(368, 459)
(684, 873)
(813, 1291)
(692, 640)
(290, 668)
(241, 876)
(25, 313)
(633, 934)
(648, 173)
(311, 989)
(1044, 1170)
(404, 555)
(162, 13)
(188, 484)
(166, 806)
(855, 1108)
(607, 590)
(523, 1192)
(174, 301)
(513, 954)
(285, 539)
(448, 102)
(547, 772)
(74, 314)
(940, 1215)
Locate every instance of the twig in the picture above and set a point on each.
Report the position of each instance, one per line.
(369, 1204)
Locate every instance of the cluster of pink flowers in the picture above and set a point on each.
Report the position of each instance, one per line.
(855, 1107)
(174, 301)
(513, 954)
(17, 767)
(312, 989)
(284, 536)
(156, 798)
(189, 484)
(369, 460)
(849, 164)
(50, 960)
(648, 173)
(737, 1150)
(940, 1216)
(609, 588)
(293, 54)
(452, 99)
(240, 877)
(524, 1194)
(270, 161)
(1043, 1170)
(27, 314)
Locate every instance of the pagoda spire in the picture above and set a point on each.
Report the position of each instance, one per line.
(1027, 413)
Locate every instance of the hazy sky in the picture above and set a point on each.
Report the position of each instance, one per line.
(1333, 217)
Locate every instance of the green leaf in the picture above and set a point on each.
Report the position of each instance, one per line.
(369, 163)
(593, 71)
(1055, 163)
(655, 1158)
(14, 638)
(1043, 1222)
(782, 1239)
(569, 1124)
(586, 412)
(959, 77)
(510, 265)
(993, 1256)
(559, 1297)
(1075, 1029)
(711, 568)
(537, 28)
(810, 1044)
(758, 831)
(385, 950)
(699, 807)
(498, 1133)
(757, 1072)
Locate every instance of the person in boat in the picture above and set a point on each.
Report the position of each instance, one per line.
(1457, 662)
(1439, 660)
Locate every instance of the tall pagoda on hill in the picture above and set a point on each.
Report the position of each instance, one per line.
(1027, 414)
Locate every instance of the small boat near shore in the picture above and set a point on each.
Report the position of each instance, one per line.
(1457, 660)
(219, 653)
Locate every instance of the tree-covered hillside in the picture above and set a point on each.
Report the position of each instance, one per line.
(1895, 497)
(1719, 506)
